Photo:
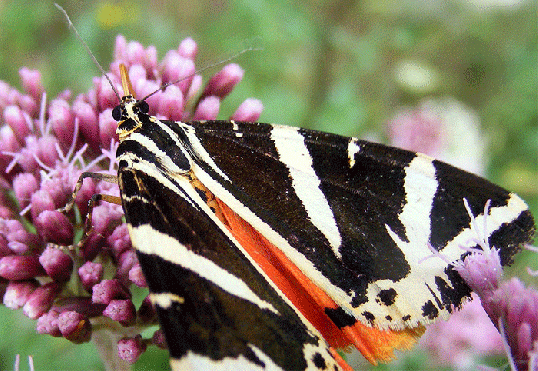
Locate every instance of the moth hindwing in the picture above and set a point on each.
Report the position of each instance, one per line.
(269, 247)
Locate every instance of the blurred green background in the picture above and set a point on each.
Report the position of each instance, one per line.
(326, 65)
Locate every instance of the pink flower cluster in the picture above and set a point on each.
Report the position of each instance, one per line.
(465, 336)
(44, 147)
(511, 306)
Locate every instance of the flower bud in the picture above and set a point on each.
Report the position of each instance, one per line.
(62, 121)
(31, 82)
(130, 349)
(178, 68)
(208, 109)
(48, 323)
(222, 83)
(87, 119)
(18, 293)
(171, 103)
(53, 226)
(90, 274)
(122, 311)
(18, 268)
(188, 48)
(75, 327)
(41, 200)
(126, 261)
(250, 111)
(137, 277)
(41, 300)
(24, 185)
(17, 121)
(107, 290)
(119, 240)
(57, 264)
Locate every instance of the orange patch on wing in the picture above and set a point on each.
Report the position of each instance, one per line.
(374, 344)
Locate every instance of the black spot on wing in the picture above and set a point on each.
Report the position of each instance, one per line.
(340, 318)
(369, 316)
(387, 297)
(511, 236)
(429, 310)
(454, 291)
(319, 361)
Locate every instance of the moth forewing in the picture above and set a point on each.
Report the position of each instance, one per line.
(387, 204)
(259, 219)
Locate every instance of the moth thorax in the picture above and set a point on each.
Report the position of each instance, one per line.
(127, 127)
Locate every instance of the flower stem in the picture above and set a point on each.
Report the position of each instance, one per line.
(106, 343)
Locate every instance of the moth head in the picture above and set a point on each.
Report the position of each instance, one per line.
(120, 112)
(128, 112)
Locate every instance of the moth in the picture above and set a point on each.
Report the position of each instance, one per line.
(269, 247)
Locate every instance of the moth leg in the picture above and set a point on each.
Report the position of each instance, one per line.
(98, 176)
(96, 198)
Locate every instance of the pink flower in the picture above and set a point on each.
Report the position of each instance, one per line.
(130, 349)
(464, 338)
(44, 149)
(512, 307)
(122, 311)
(90, 274)
(443, 128)
(223, 82)
(75, 327)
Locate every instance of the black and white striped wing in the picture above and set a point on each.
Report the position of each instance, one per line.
(266, 247)
(216, 308)
(359, 219)
(354, 224)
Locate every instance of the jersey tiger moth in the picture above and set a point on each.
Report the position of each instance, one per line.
(270, 247)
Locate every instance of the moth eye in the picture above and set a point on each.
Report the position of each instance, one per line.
(144, 107)
(116, 113)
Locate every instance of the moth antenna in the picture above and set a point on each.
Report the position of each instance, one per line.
(211, 65)
(72, 26)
